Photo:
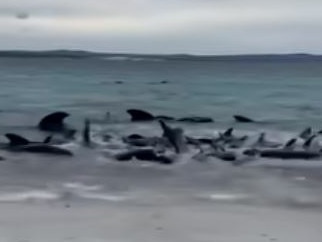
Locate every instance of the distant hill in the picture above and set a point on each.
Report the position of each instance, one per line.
(183, 57)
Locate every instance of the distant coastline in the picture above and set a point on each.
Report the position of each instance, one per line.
(76, 54)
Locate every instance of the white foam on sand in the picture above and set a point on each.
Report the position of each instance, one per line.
(226, 196)
(221, 196)
(91, 192)
(103, 197)
(81, 186)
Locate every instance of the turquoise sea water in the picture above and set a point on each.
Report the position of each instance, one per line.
(285, 96)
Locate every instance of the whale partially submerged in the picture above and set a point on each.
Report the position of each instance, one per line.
(53, 122)
(306, 133)
(19, 143)
(289, 154)
(264, 143)
(175, 136)
(144, 155)
(290, 144)
(308, 143)
(196, 119)
(86, 133)
(141, 115)
(243, 119)
(141, 141)
(42, 149)
(15, 140)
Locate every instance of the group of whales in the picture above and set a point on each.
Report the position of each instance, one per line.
(142, 115)
(154, 149)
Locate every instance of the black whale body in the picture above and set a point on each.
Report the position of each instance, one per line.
(143, 154)
(141, 115)
(18, 143)
(243, 119)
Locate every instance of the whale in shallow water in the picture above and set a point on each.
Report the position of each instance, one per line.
(54, 122)
(290, 144)
(143, 154)
(264, 143)
(307, 145)
(15, 139)
(224, 155)
(283, 153)
(227, 138)
(306, 133)
(175, 136)
(19, 143)
(42, 149)
(289, 154)
(141, 141)
(196, 119)
(86, 133)
(243, 119)
(141, 115)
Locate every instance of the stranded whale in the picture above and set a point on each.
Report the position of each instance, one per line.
(243, 119)
(143, 154)
(141, 115)
(19, 143)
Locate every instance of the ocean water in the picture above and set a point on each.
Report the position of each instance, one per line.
(284, 96)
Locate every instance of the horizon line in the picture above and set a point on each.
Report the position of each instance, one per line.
(160, 54)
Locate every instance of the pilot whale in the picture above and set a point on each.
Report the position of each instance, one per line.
(19, 143)
(141, 115)
(175, 137)
(15, 139)
(196, 119)
(54, 122)
(243, 119)
(289, 154)
(143, 154)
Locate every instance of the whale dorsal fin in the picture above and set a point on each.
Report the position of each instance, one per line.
(140, 115)
(228, 132)
(47, 139)
(289, 145)
(306, 133)
(261, 138)
(243, 138)
(243, 119)
(174, 136)
(16, 139)
(308, 142)
(53, 121)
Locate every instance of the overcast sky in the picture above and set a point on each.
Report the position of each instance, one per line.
(163, 26)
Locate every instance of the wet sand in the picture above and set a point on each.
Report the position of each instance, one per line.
(198, 222)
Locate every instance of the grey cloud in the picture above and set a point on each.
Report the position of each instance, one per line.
(167, 26)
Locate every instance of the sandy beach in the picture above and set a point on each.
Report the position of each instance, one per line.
(53, 222)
